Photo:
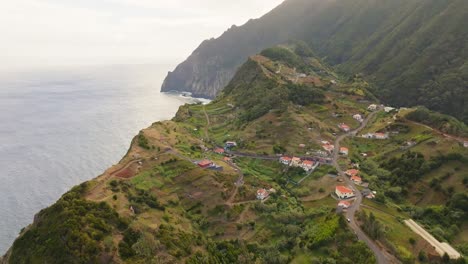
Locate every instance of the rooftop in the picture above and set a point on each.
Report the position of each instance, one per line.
(343, 189)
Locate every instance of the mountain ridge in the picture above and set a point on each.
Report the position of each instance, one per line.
(412, 52)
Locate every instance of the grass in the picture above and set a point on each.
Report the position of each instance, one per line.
(146, 181)
(397, 233)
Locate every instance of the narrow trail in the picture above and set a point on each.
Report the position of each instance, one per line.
(381, 255)
(459, 139)
(237, 184)
(208, 124)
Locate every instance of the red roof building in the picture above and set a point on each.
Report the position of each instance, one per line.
(219, 150)
(308, 165)
(344, 204)
(345, 127)
(344, 192)
(356, 179)
(352, 172)
(328, 147)
(285, 160)
(205, 163)
(262, 194)
(344, 150)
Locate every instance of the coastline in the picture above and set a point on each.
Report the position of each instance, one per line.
(108, 171)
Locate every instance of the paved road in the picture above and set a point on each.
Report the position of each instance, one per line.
(380, 254)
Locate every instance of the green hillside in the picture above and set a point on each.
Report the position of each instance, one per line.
(413, 52)
(158, 206)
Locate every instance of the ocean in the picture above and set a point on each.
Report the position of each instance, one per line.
(60, 127)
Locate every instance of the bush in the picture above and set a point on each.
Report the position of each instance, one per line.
(143, 141)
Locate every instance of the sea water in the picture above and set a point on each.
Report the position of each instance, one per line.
(60, 127)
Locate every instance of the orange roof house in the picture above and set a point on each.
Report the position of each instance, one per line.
(344, 150)
(285, 160)
(344, 127)
(308, 165)
(219, 150)
(356, 179)
(328, 147)
(352, 172)
(295, 161)
(344, 204)
(262, 194)
(205, 163)
(344, 192)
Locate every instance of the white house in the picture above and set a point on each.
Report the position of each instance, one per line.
(344, 127)
(381, 136)
(344, 151)
(295, 162)
(356, 179)
(285, 160)
(344, 192)
(308, 165)
(358, 117)
(230, 144)
(262, 194)
(388, 109)
(372, 107)
(344, 204)
(328, 148)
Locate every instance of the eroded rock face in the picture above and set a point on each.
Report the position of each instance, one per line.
(204, 80)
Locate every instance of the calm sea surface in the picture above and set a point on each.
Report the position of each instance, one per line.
(59, 128)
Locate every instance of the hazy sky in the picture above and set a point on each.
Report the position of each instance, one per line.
(50, 32)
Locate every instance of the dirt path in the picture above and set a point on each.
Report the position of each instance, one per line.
(459, 139)
(237, 184)
(208, 124)
(381, 255)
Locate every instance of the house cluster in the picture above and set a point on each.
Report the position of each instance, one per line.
(376, 135)
(262, 194)
(307, 165)
(358, 117)
(344, 192)
(354, 176)
(344, 127)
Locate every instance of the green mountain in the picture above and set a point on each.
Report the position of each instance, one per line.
(413, 52)
(157, 205)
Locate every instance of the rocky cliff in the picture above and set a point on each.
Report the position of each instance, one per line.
(413, 52)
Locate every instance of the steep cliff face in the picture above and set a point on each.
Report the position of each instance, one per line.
(413, 51)
(202, 77)
(213, 64)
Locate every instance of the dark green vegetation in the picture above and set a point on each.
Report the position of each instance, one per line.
(143, 141)
(70, 231)
(443, 123)
(413, 52)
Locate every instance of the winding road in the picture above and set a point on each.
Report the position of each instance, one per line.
(381, 255)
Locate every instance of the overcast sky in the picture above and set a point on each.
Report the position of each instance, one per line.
(51, 32)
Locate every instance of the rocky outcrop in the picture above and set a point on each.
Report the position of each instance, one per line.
(202, 78)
